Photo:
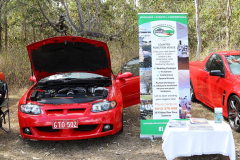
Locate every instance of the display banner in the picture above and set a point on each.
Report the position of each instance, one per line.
(164, 70)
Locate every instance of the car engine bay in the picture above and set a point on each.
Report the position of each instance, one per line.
(68, 94)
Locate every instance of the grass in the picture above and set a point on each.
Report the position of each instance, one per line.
(15, 64)
(213, 47)
(146, 97)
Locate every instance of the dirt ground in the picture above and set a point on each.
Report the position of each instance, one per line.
(125, 145)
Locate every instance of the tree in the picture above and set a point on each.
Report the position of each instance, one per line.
(1, 7)
(198, 30)
(146, 79)
(229, 10)
(62, 28)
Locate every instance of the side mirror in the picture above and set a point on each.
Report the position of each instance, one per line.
(216, 73)
(32, 78)
(2, 76)
(125, 75)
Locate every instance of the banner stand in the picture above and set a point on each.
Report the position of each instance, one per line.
(164, 71)
(151, 137)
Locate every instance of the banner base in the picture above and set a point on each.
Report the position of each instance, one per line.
(152, 137)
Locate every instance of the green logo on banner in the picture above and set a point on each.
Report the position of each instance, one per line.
(163, 31)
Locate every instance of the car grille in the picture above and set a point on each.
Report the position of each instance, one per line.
(80, 128)
(85, 127)
(54, 112)
(47, 129)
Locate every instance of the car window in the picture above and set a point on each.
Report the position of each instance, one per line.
(132, 66)
(217, 63)
(234, 63)
(207, 66)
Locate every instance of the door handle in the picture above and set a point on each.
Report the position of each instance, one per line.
(206, 77)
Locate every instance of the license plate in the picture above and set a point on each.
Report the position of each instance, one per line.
(64, 124)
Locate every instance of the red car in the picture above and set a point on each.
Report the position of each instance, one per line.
(215, 81)
(75, 94)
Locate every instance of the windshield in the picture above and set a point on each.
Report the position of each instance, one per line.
(234, 63)
(75, 75)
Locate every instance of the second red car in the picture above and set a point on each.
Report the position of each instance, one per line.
(215, 81)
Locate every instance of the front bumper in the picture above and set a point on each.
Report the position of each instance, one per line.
(90, 125)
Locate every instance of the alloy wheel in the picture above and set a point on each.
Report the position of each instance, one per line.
(233, 112)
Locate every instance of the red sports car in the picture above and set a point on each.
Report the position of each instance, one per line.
(75, 94)
(215, 81)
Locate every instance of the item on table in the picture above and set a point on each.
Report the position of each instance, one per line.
(218, 115)
(200, 127)
(177, 124)
(198, 121)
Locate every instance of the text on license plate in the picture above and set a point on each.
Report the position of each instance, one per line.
(64, 124)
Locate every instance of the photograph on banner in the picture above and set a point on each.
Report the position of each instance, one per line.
(146, 106)
(182, 48)
(145, 63)
(184, 94)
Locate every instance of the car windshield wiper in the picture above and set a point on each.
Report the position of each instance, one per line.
(69, 78)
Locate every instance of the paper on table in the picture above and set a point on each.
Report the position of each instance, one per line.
(175, 123)
(198, 121)
(200, 127)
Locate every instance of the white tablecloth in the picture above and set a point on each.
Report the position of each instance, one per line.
(182, 142)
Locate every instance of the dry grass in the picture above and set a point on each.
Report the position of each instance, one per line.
(15, 64)
(125, 145)
(121, 55)
(213, 47)
(16, 67)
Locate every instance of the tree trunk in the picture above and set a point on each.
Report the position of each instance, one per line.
(134, 4)
(125, 18)
(25, 30)
(228, 24)
(198, 30)
(40, 32)
(0, 29)
(112, 14)
(6, 31)
(80, 14)
(34, 34)
(89, 22)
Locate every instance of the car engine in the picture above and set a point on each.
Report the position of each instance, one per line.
(61, 95)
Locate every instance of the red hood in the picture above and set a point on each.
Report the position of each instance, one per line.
(69, 54)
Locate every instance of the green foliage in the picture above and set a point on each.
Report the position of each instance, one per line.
(115, 17)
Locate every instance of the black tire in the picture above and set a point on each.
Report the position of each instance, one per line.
(233, 112)
(121, 130)
(192, 93)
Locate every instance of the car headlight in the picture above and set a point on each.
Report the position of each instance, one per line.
(30, 109)
(103, 106)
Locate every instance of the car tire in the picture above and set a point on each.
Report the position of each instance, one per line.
(192, 93)
(233, 112)
(121, 130)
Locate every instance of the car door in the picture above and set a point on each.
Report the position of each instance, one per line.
(129, 83)
(202, 86)
(216, 84)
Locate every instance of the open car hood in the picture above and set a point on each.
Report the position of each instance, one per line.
(69, 54)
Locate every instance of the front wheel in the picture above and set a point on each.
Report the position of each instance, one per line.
(233, 112)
